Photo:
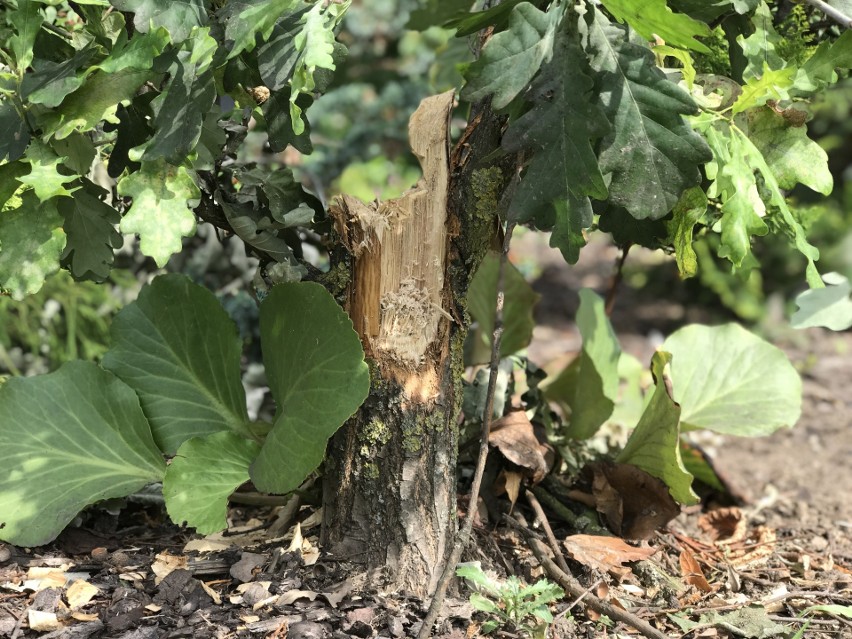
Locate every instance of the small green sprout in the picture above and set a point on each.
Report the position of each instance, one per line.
(510, 602)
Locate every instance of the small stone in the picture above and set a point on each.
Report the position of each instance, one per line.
(361, 629)
(99, 553)
(308, 630)
(818, 543)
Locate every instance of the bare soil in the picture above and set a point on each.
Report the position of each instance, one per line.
(788, 545)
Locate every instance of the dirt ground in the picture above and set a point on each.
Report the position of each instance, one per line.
(748, 570)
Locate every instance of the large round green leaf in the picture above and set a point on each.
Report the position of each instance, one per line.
(68, 439)
(179, 350)
(731, 381)
(203, 473)
(317, 374)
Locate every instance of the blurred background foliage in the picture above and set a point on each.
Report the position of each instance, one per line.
(359, 130)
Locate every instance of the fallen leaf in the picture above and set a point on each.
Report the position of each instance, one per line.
(294, 595)
(249, 618)
(214, 595)
(726, 524)
(84, 616)
(164, 564)
(42, 621)
(514, 436)
(606, 554)
(634, 503)
(692, 573)
(511, 483)
(80, 593)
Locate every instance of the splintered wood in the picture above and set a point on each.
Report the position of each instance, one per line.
(399, 246)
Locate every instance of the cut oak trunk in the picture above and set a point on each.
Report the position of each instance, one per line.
(390, 480)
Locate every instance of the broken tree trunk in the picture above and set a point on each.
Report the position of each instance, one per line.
(390, 498)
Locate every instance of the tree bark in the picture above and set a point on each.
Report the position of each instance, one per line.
(390, 477)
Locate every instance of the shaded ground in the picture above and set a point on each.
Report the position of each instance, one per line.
(738, 572)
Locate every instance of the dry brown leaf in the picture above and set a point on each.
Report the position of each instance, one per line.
(606, 554)
(723, 524)
(80, 593)
(634, 503)
(692, 573)
(84, 616)
(164, 564)
(514, 436)
(215, 596)
(294, 595)
(42, 621)
(512, 484)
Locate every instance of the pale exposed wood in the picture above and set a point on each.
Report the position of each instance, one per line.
(400, 249)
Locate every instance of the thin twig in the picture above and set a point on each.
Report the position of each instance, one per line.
(832, 12)
(616, 280)
(464, 535)
(548, 531)
(579, 599)
(575, 589)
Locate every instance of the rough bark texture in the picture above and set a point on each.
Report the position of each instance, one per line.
(391, 471)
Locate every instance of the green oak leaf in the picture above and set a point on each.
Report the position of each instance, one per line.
(31, 243)
(518, 304)
(9, 182)
(95, 101)
(244, 20)
(255, 229)
(735, 184)
(561, 126)
(50, 81)
(770, 85)
(282, 191)
(14, 135)
(178, 349)
(793, 157)
(26, 20)
(588, 387)
(316, 46)
(654, 445)
(730, 381)
(202, 475)
(278, 56)
(432, 13)
(760, 48)
(90, 226)
(653, 19)
(210, 142)
(818, 71)
(686, 213)
(180, 108)
(511, 58)
(467, 22)
(280, 126)
(778, 199)
(77, 150)
(69, 439)
(651, 152)
(709, 10)
(44, 176)
(161, 214)
(830, 306)
(317, 374)
(571, 217)
(137, 53)
(177, 17)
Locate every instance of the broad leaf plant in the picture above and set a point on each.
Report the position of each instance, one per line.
(129, 117)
